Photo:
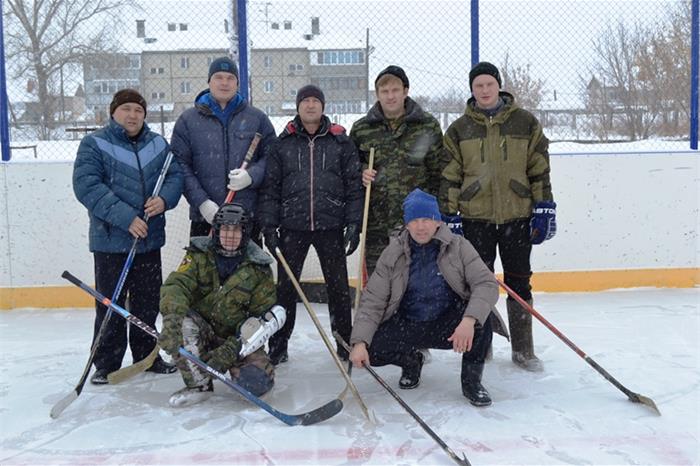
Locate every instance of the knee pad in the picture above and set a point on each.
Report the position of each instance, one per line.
(255, 380)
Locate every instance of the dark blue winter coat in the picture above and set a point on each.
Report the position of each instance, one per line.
(208, 151)
(313, 182)
(113, 176)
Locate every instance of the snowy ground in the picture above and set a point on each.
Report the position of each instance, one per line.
(647, 339)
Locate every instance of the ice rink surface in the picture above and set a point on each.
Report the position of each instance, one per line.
(648, 339)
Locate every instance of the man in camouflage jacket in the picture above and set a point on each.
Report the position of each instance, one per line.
(497, 179)
(408, 152)
(207, 299)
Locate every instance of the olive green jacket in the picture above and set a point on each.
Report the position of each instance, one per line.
(249, 291)
(411, 156)
(499, 166)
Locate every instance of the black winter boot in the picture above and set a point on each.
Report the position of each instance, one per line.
(161, 367)
(520, 326)
(471, 384)
(410, 370)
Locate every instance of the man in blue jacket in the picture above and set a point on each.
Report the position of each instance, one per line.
(211, 140)
(114, 175)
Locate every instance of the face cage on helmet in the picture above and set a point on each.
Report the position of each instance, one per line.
(241, 247)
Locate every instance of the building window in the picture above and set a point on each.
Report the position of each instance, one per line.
(171, 27)
(184, 62)
(340, 57)
(135, 63)
(159, 70)
(157, 95)
(267, 61)
(293, 92)
(269, 86)
(185, 87)
(269, 109)
(288, 25)
(295, 67)
(183, 26)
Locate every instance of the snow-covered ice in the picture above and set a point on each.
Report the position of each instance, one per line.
(648, 339)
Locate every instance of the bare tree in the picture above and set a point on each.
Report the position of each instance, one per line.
(621, 53)
(518, 80)
(43, 36)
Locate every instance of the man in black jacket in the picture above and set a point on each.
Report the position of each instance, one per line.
(312, 195)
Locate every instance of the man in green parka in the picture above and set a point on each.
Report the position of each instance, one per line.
(223, 282)
(497, 181)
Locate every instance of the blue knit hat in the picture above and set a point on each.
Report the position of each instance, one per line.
(224, 64)
(419, 204)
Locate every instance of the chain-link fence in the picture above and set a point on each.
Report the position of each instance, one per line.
(592, 71)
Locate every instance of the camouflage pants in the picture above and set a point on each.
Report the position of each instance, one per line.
(255, 373)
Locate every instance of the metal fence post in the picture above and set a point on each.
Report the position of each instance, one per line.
(242, 48)
(4, 122)
(694, 65)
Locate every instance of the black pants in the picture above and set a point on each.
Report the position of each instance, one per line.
(398, 337)
(331, 254)
(142, 286)
(514, 247)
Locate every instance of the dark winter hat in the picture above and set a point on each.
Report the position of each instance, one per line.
(484, 67)
(224, 64)
(124, 96)
(310, 91)
(394, 71)
(419, 204)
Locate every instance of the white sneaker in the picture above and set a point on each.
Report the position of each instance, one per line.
(191, 395)
(426, 355)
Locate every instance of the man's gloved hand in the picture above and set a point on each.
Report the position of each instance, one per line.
(351, 239)
(543, 223)
(454, 222)
(225, 356)
(170, 338)
(271, 238)
(238, 179)
(208, 209)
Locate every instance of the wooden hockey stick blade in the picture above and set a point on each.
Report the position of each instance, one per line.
(125, 373)
(63, 404)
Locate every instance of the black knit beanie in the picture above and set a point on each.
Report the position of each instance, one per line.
(224, 64)
(124, 96)
(310, 91)
(484, 67)
(394, 71)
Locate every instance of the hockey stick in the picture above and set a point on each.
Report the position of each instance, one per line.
(462, 461)
(634, 397)
(365, 213)
(324, 337)
(322, 413)
(72, 396)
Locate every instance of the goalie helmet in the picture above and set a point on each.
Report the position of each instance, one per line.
(231, 214)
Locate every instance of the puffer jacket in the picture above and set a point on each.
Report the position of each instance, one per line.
(113, 176)
(208, 151)
(195, 285)
(461, 267)
(499, 166)
(312, 182)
